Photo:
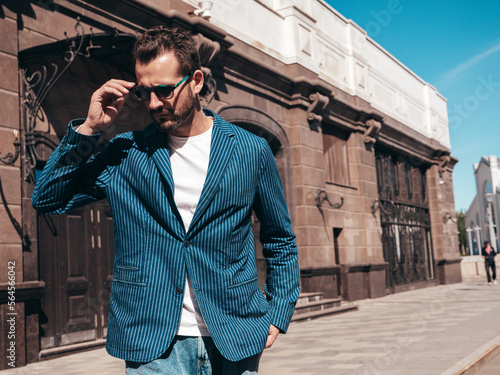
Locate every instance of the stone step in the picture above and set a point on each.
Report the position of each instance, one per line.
(321, 313)
(317, 305)
(309, 297)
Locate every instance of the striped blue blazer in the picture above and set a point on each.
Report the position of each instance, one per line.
(154, 253)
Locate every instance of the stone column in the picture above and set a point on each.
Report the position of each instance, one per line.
(11, 222)
(444, 231)
(314, 236)
(362, 260)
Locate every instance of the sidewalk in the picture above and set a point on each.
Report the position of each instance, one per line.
(433, 331)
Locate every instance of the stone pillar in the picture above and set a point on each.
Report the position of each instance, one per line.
(19, 280)
(11, 230)
(362, 260)
(340, 249)
(443, 225)
(314, 237)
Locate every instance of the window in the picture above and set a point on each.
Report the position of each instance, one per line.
(335, 153)
(408, 180)
(487, 187)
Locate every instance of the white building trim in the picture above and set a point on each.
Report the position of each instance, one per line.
(316, 36)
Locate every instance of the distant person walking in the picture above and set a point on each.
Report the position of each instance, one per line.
(490, 255)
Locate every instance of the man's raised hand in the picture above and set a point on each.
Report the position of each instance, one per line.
(105, 105)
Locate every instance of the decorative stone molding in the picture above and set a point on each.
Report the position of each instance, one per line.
(444, 160)
(317, 106)
(209, 87)
(208, 50)
(371, 133)
(256, 118)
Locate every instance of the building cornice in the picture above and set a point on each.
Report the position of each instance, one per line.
(290, 84)
(142, 14)
(350, 112)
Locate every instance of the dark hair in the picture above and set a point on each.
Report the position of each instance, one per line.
(159, 40)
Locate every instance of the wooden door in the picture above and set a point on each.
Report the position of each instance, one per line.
(105, 254)
(76, 260)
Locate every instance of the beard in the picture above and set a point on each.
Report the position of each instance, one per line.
(179, 117)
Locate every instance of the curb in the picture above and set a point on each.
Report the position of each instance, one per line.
(469, 365)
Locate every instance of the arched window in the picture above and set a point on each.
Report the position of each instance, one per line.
(487, 187)
(488, 200)
(264, 126)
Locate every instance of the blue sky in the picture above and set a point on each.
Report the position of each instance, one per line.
(455, 46)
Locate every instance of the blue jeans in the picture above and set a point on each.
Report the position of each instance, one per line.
(194, 356)
(488, 265)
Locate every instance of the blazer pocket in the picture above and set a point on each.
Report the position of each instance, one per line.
(253, 279)
(128, 275)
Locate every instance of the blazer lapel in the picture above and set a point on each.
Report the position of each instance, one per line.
(221, 152)
(159, 152)
(157, 149)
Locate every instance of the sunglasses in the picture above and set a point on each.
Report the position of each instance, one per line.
(161, 91)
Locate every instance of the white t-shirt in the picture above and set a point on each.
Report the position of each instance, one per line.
(189, 159)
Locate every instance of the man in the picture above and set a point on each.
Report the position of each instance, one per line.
(185, 295)
(489, 255)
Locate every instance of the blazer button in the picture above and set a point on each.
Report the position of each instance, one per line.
(187, 243)
(178, 290)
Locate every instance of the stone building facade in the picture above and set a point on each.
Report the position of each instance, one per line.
(483, 214)
(361, 142)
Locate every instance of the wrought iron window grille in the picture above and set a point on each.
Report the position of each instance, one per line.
(40, 74)
(34, 89)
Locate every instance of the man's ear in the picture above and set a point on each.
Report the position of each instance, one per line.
(197, 81)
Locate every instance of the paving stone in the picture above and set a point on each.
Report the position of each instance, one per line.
(420, 332)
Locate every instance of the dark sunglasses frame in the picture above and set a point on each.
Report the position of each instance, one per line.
(165, 92)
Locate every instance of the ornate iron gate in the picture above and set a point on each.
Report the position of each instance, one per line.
(405, 220)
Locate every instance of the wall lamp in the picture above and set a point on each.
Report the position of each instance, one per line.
(447, 216)
(10, 159)
(204, 10)
(322, 196)
(377, 204)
